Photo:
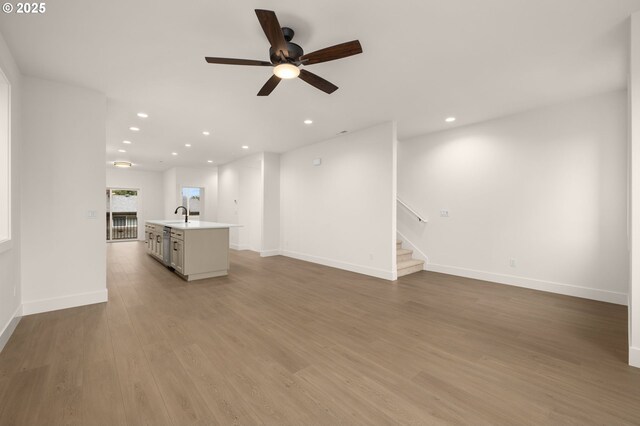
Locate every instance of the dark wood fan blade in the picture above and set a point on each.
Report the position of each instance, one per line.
(317, 82)
(273, 31)
(269, 86)
(332, 53)
(232, 61)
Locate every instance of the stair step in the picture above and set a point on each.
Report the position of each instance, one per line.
(403, 255)
(410, 263)
(409, 267)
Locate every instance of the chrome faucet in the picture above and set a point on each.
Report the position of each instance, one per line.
(186, 213)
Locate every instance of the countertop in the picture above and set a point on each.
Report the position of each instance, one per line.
(193, 224)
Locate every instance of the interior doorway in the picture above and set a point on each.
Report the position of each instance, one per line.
(122, 214)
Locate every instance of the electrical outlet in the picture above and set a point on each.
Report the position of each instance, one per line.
(512, 263)
(444, 213)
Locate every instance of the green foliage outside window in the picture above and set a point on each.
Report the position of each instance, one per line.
(125, 193)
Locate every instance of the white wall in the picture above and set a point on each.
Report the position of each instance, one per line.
(170, 190)
(63, 178)
(150, 192)
(546, 188)
(341, 213)
(270, 204)
(179, 177)
(240, 201)
(10, 292)
(634, 180)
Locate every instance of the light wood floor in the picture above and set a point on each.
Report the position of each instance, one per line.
(281, 341)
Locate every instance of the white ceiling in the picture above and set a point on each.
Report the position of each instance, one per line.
(423, 60)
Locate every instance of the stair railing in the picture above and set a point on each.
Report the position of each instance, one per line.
(420, 218)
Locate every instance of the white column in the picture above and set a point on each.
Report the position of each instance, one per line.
(634, 176)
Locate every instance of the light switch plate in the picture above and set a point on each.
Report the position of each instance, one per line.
(317, 161)
(92, 214)
(444, 213)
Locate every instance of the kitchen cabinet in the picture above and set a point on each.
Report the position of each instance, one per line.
(149, 238)
(198, 249)
(159, 252)
(177, 251)
(154, 240)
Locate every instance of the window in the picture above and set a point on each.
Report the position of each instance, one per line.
(5, 160)
(193, 200)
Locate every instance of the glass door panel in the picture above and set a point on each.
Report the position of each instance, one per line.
(122, 214)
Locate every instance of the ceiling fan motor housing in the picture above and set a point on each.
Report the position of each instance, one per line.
(295, 51)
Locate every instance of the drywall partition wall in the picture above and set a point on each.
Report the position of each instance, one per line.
(170, 189)
(340, 212)
(201, 177)
(63, 205)
(10, 290)
(150, 192)
(536, 199)
(634, 181)
(240, 187)
(270, 204)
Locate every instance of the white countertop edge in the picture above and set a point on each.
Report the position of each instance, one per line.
(192, 224)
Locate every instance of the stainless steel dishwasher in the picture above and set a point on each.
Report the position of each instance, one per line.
(166, 246)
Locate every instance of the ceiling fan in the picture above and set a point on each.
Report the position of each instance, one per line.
(286, 57)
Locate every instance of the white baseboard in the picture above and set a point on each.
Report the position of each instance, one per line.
(64, 302)
(268, 253)
(366, 270)
(634, 356)
(417, 253)
(9, 328)
(534, 284)
(239, 246)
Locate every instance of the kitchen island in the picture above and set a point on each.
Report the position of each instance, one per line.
(194, 250)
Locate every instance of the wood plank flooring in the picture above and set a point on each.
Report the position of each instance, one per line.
(281, 341)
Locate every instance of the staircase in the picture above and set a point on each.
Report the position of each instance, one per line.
(405, 263)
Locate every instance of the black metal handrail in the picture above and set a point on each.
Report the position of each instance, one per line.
(124, 224)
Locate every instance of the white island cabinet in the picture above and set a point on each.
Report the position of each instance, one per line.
(195, 250)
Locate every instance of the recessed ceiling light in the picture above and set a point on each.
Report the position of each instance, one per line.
(134, 129)
(206, 133)
(188, 145)
(122, 164)
(121, 150)
(245, 147)
(450, 119)
(209, 161)
(143, 115)
(308, 121)
(174, 153)
(127, 142)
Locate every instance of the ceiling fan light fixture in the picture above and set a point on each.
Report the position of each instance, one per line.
(286, 71)
(122, 164)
